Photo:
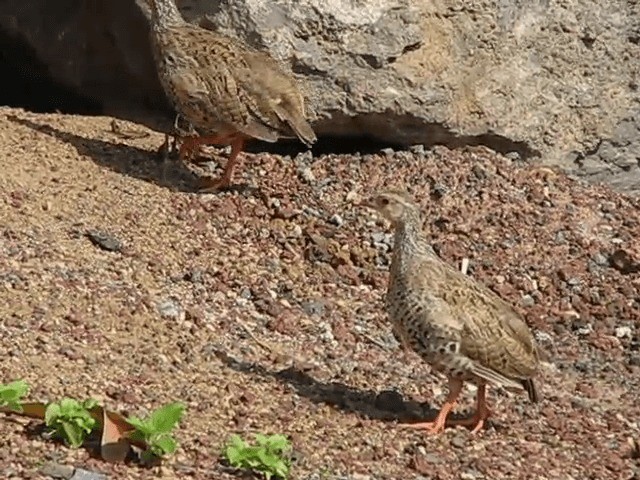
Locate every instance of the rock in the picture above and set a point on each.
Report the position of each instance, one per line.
(81, 474)
(170, 309)
(623, 332)
(55, 470)
(104, 240)
(524, 78)
(314, 307)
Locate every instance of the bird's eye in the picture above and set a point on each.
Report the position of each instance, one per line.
(384, 202)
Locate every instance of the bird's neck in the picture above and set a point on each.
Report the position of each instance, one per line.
(164, 14)
(408, 241)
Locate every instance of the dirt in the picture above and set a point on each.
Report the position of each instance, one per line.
(261, 308)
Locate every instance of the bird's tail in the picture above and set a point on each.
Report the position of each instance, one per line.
(297, 123)
(531, 390)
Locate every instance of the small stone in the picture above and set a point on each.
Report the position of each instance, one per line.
(623, 332)
(336, 220)
(600, 259)
(193, 276)
(82, 474)
(528, 301)
(327, 332)
(104, 240)
(417, 149)
(479, 172)
(388, 152)
(307, 175)
(55, 470)
(170, 309)
(313, 307)
(459, 441)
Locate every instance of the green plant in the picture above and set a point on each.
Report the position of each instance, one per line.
(156, 430)
(271, 455)
(11, 394)
(71, 420)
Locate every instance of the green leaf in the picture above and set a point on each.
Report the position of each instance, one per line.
(167, 444)
(164, 419)
(140, 425)
(73, 435)
(51, 414)
(90, 403)
(11, 394)
(68, 406)
(278, 442)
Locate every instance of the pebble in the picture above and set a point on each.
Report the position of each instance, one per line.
(170, 309)
(387, 151)
(81, 474)
(600, 259)
(55, 470)
(307, 175)
(459, 441)
(528, 301)
(336, 220)
(314, 307)
(104, 240)
(417, 149)
(327, 332)
(623, 332)
(193, 276)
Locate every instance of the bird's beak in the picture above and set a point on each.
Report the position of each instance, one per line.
(366, 203)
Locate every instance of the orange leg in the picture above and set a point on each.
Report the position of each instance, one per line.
(437, 426)
(188, 146)
(480, 416)
(209, 185)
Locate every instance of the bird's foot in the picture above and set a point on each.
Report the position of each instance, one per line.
(475, 422)
(210, 185)
(431, 428)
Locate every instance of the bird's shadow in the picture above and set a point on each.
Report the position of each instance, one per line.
(121, 158)
(387, 405)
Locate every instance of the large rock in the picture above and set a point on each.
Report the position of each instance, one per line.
(556, 79)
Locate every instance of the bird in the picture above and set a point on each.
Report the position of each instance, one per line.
(226, 90)
(457, 325)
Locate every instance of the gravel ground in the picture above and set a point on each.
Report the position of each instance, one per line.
(262, 310)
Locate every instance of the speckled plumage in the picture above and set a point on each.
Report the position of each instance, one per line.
(228, 91)
(460, 327)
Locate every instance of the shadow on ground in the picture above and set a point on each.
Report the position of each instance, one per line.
(124, 159)
(386, 405)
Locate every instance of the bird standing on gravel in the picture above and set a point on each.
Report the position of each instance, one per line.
(229, 92)
(460, 327)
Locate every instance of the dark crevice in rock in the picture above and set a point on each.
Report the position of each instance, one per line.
(27, 83)
(369, 141)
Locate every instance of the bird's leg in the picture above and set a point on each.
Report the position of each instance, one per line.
(188, 145)
(477, 420)
(209, 185)
(437, 426)
(163, 152)
(194, 143)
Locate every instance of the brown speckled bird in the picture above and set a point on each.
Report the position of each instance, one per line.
(227, 91)
(460, 327)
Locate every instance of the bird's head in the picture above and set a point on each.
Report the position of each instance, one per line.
(397, 206)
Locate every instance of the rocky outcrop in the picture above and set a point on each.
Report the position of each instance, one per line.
(555, 79)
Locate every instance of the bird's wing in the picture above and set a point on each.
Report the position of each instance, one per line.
(495, 337)
(492, 337)
(210, 89)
